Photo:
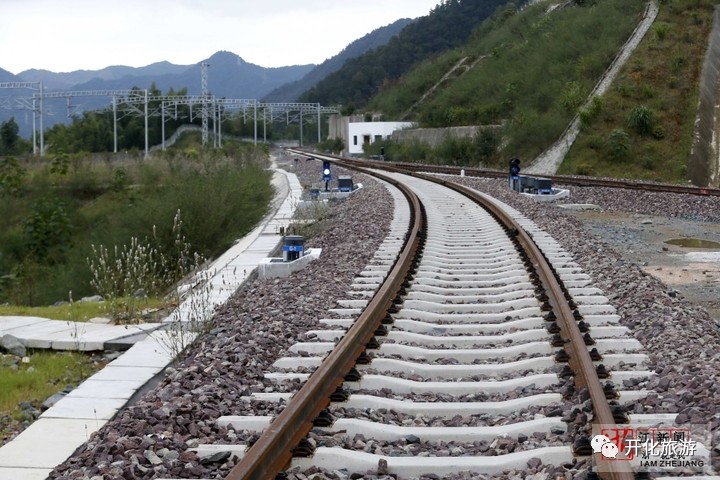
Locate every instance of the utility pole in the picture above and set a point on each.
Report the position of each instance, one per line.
(205, 103)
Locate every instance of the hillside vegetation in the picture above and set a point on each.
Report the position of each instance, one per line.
(644, 128)
(528, 71)
(447, 26)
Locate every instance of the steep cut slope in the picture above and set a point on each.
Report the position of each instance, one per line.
(528, 70)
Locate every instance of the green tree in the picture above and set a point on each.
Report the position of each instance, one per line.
(12, 176)
(9, 137)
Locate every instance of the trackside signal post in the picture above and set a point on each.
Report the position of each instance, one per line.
(326, 176)
(515, 174)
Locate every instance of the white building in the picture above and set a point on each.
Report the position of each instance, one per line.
(365, 133)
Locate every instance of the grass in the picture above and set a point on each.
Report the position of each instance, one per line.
(660, 81)
(81, 311)
(48, 229)
(45, 374)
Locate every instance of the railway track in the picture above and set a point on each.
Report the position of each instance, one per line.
(557, 179)
(456, 354)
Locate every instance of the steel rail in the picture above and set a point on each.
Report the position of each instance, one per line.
(580, 361)
(273, 450)
(566, 179)
(580, 181)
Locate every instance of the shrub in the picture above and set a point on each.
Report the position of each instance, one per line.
(619, 143)
(47, 230)
(642, 119)
(661, 30)
(12, 176)
(571, 97)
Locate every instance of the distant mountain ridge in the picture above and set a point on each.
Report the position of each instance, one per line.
(290, 92)
(66, 81)
(6, 76)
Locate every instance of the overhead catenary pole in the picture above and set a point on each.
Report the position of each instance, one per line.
(219, 124)
(42, 129)
(255, 121)
(205, 105)
(162, 122)
(34, 135)
(147, 148)
(318, 119)
(114, 106)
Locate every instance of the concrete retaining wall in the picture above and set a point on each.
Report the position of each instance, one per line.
(705, 157)
(435, 136)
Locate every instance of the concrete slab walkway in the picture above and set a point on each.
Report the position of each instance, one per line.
(37, 332)
(60, 430)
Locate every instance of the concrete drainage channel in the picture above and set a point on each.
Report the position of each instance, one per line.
(468, 336)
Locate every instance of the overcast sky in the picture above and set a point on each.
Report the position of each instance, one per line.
(68, 35)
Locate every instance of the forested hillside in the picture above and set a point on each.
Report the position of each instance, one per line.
(449, 25)
(292, 91)
(526, 73)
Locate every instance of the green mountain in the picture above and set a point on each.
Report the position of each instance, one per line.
(381, 36)
(448, 25)
(525, 74)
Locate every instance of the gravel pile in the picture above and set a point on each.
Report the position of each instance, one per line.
(151, 438)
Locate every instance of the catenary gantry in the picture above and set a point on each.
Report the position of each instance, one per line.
(141, 103)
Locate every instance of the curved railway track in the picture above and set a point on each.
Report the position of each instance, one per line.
(471, 328)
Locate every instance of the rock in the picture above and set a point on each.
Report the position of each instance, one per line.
(152, 457)
(383, 467)
(52, 400)
(12, 345)
(215, 458)
(139, 293)
(534, 462)
(412, 439)
(100, 320)
(93, 298)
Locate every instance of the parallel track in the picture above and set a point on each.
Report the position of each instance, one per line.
(579, 181)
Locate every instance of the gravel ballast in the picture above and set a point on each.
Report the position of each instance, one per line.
(151, 438)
